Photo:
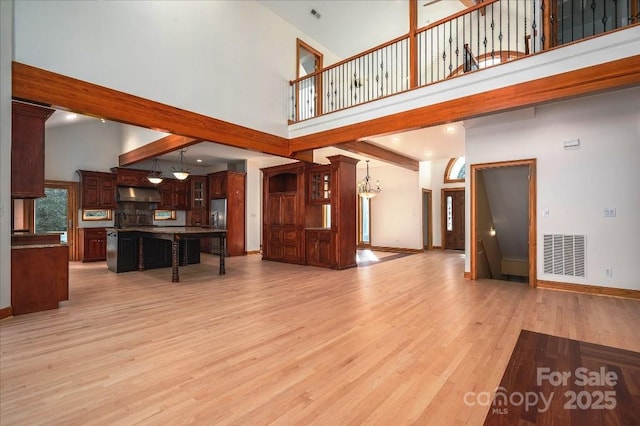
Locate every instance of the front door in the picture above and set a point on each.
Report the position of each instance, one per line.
(453, 203)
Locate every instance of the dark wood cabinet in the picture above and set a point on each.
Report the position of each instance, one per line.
(231, 186)
(283, 213)
(27, 150)
(319, 247)
(132, 177)
(174, 194)
(319, 184)
(97, 190)
(218, 184)
(39, 278)
(198, 213)
(93, 244)
(309, 213)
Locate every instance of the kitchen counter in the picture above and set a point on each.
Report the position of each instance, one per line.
(174, 234)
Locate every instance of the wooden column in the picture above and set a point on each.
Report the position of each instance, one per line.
(413, 44)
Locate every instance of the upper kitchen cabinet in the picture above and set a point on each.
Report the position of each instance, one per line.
(132, 177)
(27, 150)
(97, 190)
(173, 194)
(218, 185)
(198, 191)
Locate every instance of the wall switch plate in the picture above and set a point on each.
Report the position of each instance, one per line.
(609, 212)
(608, 272)
(545, 213)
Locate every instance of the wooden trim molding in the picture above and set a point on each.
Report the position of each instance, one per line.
(379, 153)
(447, 171)
(5, 312)
(467, 275)
(249, 252)
(443, 211)
(585, 81)
(532, 213)
(590, 289)
(40, 86)
(394, 249)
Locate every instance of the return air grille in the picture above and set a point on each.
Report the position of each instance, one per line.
(565, 255)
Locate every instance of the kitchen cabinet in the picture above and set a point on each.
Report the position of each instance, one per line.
(173, 194)
(218, 185)
(198, 215)
(39, 277)
(122, 250)
(132, 177)
(97, 190)
(231, 186)
(93, 244)
(198, 192)
(27, 150)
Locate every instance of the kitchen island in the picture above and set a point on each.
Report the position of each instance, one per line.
(126, 244)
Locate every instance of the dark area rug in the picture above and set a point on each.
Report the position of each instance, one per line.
(556, 381)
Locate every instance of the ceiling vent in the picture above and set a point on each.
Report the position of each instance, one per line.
(315, 13)
(565, 255)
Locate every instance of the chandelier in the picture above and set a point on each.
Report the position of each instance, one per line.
(155, 176)
(365, 189)
(181, 173)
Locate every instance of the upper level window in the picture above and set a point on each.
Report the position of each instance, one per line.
(455, 171)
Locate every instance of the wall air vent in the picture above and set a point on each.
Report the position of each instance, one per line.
(565, 255)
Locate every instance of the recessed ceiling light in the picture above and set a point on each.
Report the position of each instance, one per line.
(71, 116)
(103, 120)
(451, 129)
(198, 160)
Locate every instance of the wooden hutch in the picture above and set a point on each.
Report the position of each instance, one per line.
(309, 214)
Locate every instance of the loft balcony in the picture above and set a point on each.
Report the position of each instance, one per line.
(494, 44)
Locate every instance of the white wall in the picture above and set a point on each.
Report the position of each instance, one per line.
(6, 55)
(576, 185)
(231, 60)
(87, 145)
(253, 206)
(396, 213)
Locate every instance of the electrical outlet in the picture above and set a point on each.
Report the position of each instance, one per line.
(609, 212)
(608, 272)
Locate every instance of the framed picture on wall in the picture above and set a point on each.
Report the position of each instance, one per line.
(96, 214)
(164, 215)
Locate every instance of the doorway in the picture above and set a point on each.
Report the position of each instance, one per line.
(364, 222)
(453, 219)
(309, 60)
(510, 214)
(427, 222)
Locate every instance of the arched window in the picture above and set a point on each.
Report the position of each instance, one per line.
(455, 171)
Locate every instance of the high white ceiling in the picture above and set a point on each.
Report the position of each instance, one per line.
(342, 28)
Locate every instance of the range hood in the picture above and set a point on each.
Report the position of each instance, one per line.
(139, 195)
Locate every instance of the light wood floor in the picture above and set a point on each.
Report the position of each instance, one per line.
(393, 343)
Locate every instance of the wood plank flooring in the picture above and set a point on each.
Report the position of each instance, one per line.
(557, 380)
(397, 342)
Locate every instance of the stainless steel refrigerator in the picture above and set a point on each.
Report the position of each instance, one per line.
(218, 221)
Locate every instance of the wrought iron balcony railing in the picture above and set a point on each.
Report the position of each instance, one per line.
(490, 33)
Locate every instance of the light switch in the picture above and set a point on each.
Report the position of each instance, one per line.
(609, 212)
(545, 213)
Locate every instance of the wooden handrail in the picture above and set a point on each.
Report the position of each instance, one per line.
(349, 59)
(456, 15)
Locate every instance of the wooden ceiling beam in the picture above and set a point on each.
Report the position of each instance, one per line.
(612, 75)
(59, 91)
(156, 148)
(379, 153)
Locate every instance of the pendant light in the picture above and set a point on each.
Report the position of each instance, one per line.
(181, 173)
(155, 176)
(365, 189)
